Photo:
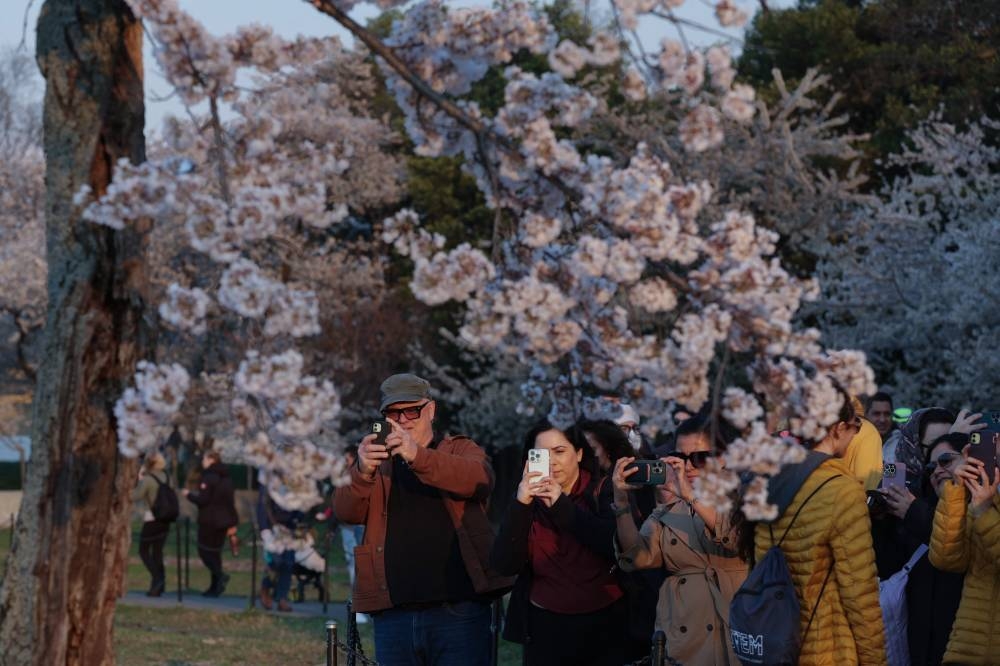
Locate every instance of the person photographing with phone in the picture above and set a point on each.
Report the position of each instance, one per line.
(694, 543)
(567, 607)
(966, 539)
(422, 570)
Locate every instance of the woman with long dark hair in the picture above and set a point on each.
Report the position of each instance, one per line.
(566, 607)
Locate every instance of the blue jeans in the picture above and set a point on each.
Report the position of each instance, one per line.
(448, 635)
(282, 564)
(350, 537)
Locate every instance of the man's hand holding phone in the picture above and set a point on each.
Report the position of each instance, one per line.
(400, 443)
(371, 454)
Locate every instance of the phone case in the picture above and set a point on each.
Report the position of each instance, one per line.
(538, 461)
(983, 445)
(651, 472)
(893, 474)
(381, 429)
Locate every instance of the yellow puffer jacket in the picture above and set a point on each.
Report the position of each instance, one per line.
(973, 547)
(833, 529)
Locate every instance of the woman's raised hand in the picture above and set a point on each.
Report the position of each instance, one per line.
(530, 485)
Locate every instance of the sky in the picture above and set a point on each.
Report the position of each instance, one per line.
(290, 18)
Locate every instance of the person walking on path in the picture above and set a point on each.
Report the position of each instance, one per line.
(423, 568)
(216, 515)
(154, 532)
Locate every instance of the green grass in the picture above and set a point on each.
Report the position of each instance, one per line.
(179, 636)
(186, 637)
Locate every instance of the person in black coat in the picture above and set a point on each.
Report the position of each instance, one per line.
(567, 607)
(932, 595)
(216, 514)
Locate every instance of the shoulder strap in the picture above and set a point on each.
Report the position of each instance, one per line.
(158, 482)
(818, 599)
(917, 554)
(802, 506)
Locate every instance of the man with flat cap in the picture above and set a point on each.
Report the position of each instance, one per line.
(423, 570)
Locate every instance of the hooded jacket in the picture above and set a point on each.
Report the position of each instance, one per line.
(960, 543)
(215, 499)
(832, 530)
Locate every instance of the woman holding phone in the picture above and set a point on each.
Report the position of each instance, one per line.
(966, 539)
(567, 607)
(693, 543)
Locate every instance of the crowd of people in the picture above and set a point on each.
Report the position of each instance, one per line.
(595, 563)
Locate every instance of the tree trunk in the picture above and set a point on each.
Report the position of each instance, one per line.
(67, 566)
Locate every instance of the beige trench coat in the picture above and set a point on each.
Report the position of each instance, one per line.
(704, 574)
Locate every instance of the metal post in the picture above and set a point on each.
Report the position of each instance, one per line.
(352, 633)
(326, 572)
(331, 643)
(253, 565)
(180, 580)
(658, 654)
(187, 551)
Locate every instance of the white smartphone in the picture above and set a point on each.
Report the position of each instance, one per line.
(538, 461)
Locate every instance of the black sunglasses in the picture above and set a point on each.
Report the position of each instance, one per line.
(411, 413)
(697, 458)
(943, 460)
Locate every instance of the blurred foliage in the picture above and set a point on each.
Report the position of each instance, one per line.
(894, 61)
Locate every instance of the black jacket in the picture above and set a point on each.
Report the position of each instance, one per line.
(932, 595)
(214, 498)
(594, 529)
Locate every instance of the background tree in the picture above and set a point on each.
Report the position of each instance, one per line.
(894, 61)
(916, 283)
(22, 228)
(63, 575)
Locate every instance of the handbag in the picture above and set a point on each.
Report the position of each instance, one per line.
(892, 599)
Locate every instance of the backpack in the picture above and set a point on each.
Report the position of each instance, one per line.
(764, 615)
(166, 508)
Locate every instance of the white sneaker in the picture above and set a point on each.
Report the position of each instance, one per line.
(361, 618)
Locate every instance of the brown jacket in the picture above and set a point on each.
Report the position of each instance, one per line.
(460, 470)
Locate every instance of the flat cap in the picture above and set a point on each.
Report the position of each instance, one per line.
(404, 388)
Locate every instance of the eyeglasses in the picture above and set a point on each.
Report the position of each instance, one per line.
(409, 413)
(944, 461)
(626, 428)
(698, 459)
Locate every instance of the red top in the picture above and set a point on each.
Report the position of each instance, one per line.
(567, 576)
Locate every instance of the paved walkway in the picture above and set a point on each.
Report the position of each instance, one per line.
(335, 610)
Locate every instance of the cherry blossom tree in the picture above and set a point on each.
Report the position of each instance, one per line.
(914, 283)
(597, 239)
(22, 195)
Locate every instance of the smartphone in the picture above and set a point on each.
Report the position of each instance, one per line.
(381, 430)
(538, 461)
(651, 473)
(894, 474)
(985, 444)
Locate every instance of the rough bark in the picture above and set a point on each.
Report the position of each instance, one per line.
(67, 565)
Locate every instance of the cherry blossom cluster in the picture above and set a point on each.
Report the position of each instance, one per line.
(605, 252)
(277, 161)
(144, 412)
